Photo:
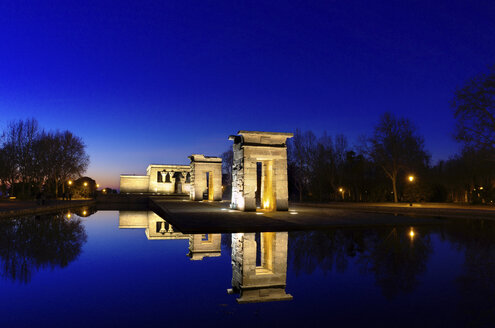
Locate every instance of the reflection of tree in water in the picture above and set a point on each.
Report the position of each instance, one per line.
(32, 243)
(477, 282)
(396, 259)
(324, 249)
(391, 254)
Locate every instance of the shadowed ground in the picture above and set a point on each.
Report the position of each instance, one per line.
(207, 217)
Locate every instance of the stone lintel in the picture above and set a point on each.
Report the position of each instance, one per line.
(253, 144)
(243, 299)
(261, 133)
(198, 158)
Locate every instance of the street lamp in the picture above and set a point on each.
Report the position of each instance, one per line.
(85, 184)
(70, 182)
(411, 179)
(342, 192)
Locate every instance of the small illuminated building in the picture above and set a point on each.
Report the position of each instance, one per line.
(155, 227)
(259, 171)
(204, 245)
(259, 267)
(159, 178)
(206, 177)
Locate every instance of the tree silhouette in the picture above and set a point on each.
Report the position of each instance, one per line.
(395, 146)
(474, 109)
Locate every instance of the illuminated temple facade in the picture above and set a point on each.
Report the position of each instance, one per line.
(259, 171)
(159, 178)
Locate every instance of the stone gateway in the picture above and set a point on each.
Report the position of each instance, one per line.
(259, 171)
(206, 177)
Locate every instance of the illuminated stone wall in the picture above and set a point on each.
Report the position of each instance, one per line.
(175, 183)
(200, 165)
(204, 245)
(134, 183)
(270, 149)
(266, 281)
(133, 219)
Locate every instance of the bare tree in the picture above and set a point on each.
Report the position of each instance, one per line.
(395, 146)
(301, 151)
(474, 109)
(33, 157)
(227, 162)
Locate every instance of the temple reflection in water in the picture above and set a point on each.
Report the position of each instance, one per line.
(259, 260)
(259, 266)
(204, 245)
(156, 228)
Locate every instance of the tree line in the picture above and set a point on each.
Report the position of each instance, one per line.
(34, 161)
(392, 164)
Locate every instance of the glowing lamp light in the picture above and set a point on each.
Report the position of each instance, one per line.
(341, 190)
(97, 186)
(85, 184)
(84, 212)
(411, 178)
(70, 182)
(68, 215)
(266, 204)
(411, 233)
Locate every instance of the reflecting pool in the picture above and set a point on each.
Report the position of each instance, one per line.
(132, 268)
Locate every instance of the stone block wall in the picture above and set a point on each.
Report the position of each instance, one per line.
(269, 148)
(134, 183)
(200, 165)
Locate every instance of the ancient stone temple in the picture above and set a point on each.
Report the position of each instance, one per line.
(259, 266)
(206, 177)
(159, 179)
(259, 172)
(204, 245)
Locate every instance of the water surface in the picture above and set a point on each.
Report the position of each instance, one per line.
(133, 268)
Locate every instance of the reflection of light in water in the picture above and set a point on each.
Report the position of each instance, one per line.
(84, 212)
(411, 233)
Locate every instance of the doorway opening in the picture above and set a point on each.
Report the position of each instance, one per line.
(264, 195)
(264, 252)
(178, 182)
(209, 186)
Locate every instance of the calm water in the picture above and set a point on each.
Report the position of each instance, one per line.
(131, 268)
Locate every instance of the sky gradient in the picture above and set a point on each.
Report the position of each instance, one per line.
(155, 81)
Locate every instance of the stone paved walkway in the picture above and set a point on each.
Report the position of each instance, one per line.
(208, 217)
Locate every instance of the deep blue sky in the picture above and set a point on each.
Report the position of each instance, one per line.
(153, 82)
